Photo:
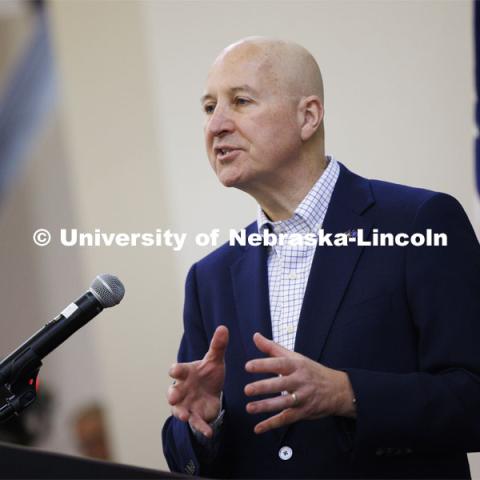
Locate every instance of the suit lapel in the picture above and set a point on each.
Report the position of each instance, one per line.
(250, 288)
(333, 267)
(331, 271)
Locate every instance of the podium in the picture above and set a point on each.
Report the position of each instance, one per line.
(23, 462)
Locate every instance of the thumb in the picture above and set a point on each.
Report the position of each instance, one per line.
(218, 345)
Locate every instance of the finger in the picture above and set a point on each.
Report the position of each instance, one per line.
(218, 345)
(200, 425)
(181, 413)
(278, 365)
(285, 417)
(179, 371)
(269, 347)
(270, 385)
(175, 394)
(275, 404)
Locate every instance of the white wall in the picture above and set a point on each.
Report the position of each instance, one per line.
(399, 103)
(115, 159)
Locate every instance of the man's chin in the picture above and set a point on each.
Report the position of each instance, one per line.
(230, 180)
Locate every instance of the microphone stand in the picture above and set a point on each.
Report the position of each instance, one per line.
(19, 377)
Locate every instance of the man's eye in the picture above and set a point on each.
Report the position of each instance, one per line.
(209, 108)
(241, 101)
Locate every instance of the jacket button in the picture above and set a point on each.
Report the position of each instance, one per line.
(379, 452)
(285, 453)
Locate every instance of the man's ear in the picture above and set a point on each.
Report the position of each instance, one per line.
(310, 115)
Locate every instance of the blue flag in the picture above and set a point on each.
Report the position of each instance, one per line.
(476, 19)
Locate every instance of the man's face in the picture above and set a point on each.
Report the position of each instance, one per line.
(251, 130)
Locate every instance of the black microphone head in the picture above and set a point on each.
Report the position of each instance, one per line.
(107, 289)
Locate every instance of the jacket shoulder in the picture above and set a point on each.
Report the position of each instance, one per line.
(396, 193)
(389, 201)
(393, 197)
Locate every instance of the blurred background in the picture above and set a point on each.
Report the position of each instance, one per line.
(101, 127)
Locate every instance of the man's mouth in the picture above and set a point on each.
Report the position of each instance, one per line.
(224, 153)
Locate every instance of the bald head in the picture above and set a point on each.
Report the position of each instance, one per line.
(263, 105)
(289, 66)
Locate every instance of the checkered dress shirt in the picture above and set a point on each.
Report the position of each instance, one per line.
(289, 266)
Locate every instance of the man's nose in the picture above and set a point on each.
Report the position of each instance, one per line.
(220, 122)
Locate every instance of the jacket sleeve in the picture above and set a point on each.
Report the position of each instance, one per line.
(183, 453)
(436, 408)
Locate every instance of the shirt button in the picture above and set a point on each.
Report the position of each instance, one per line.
(292, 276)
(290, 328)
(285, 453)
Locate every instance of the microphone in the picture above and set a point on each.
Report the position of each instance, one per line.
(105, 291)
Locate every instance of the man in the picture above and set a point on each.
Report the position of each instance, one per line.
(304, 362)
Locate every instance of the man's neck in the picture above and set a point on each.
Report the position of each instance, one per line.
(282, 196)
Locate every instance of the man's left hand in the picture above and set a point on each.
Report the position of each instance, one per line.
(310, 390)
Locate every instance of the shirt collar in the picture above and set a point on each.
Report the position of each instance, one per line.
(310, 213)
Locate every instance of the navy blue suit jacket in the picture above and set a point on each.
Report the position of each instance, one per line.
(403, 322)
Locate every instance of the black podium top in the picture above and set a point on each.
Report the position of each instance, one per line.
(23, 462)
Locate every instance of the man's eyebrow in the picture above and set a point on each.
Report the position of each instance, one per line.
(233, 90)
(205, 97)
(244, 88)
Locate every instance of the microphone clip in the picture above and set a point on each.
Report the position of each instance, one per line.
(20, 380)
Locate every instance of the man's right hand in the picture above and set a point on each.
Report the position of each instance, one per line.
(195, 394)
